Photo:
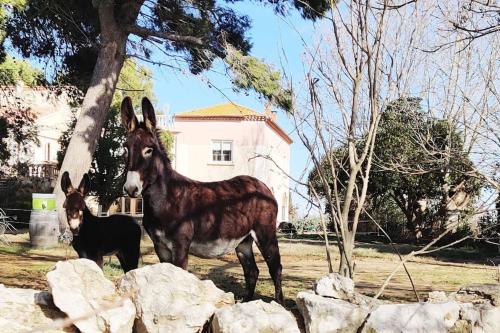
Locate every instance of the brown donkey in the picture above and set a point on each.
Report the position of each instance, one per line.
(207, 219)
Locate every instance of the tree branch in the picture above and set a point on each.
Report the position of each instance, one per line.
(148, 33)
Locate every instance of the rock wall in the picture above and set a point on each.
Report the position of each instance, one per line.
(165, 298)
(330, 309)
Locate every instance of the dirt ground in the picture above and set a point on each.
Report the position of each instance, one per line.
(303, 262)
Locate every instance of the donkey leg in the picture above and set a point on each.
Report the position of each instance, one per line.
(98, 260)
(160, 244)
(163, 252)
(181, 254)
(122, 261)
(127, 260)
(247, 260)
(268, 246)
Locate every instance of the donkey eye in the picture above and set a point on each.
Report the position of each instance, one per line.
(146, 152)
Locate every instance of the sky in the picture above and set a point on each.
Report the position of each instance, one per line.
(276, 40)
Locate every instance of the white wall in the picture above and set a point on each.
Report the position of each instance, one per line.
(52, 112)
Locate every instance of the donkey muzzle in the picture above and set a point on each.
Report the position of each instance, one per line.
(133, 184)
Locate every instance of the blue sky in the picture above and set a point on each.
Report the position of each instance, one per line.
(278, 41)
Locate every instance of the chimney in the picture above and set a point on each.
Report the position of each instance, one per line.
(269, 113)
(274, 115)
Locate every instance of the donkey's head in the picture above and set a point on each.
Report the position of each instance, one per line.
(75, 203)
(142, 148)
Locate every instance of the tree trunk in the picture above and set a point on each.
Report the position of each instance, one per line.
(97, 100)
(92, 117)
(346, 266)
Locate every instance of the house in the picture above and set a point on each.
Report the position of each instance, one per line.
(225, 140)
(52, 113)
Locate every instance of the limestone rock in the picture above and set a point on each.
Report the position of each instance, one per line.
(479, 293)
(27, 309)
(481, 318)
(437, 297)
(328, 315)
(413, 317)
(254, 317)
(334, 285)
(80, 289)
(170, 299)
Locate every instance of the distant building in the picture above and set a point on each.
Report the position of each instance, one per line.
(226, 140)
(52, 113)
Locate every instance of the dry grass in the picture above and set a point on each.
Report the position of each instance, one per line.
(303, 263)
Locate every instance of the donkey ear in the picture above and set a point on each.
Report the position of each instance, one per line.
(148, 113)
(66, 183)
(84, 186)
(129, 120)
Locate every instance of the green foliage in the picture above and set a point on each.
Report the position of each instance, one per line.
(17, 194)
(13, 71)
(58, 29)
(134, 81)
(106, 171)
(6, 6)
(167, 140)
(414, 157)
(307, 224)
(17, 124)
(69, 30)
(252, 73)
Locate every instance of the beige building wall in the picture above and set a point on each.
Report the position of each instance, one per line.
(53, 114)
(252, 140)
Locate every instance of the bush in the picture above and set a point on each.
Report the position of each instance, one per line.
(308, 225)
(17, 195)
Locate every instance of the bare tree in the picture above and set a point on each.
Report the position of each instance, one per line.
(459, 85)
(363, 59)
(477, 19)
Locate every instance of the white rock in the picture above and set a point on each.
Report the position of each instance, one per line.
(413, 318)
(479, 293)
(437, 297)
(326, 315)
(80, 289)
(170, 299)
(24, 310)
(254, 317)
(334, 285)
(488, 320)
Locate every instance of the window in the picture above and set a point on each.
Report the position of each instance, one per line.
(222, 151)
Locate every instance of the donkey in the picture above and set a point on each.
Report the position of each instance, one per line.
(95, 237)
(206, 219)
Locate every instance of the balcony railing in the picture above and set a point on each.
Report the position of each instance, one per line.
(48, 171)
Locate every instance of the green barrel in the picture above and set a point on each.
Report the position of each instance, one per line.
(44, 224)
(44, 201)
